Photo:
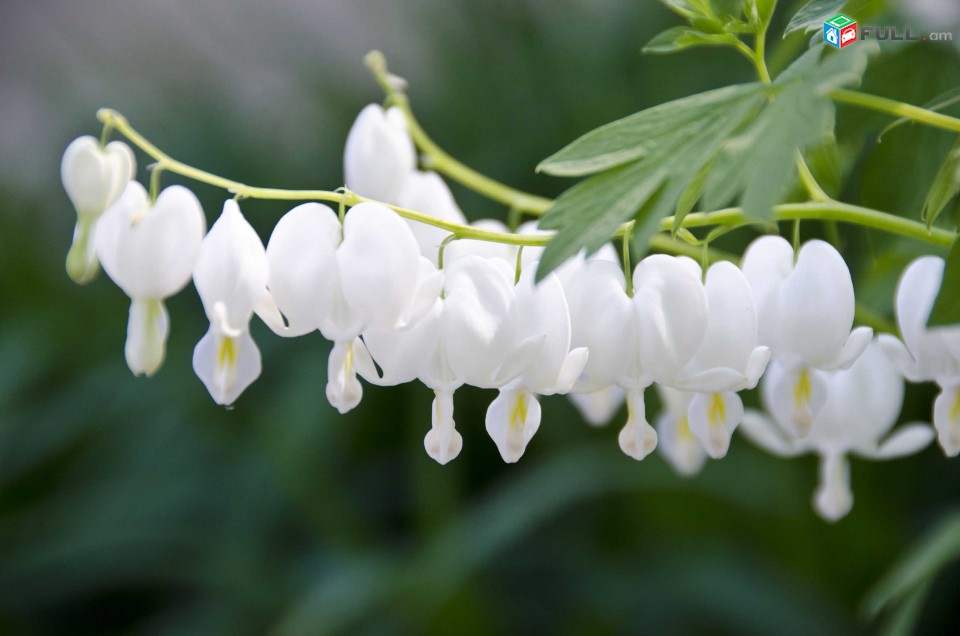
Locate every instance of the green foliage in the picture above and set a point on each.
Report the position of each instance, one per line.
(759, 163)
(945, 186)
(811, 16)
(717, 23)
(946, 309)
(684, 37)
(659, 151)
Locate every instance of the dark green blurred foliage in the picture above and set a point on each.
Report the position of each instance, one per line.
(138, 506)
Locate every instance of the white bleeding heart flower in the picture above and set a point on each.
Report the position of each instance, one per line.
(675, 440)
(635, 341)
(374, 278)
(94, 178)
(727, 361)
(539, 312)
(426, 192)
(231, 277)
(805, 309)
(149, 251)
(928, 353)
(467, 337)
(379, 155)
(862, 406)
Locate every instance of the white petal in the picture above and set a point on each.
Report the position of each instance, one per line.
(637, 438)
(935, 350)
(598, 406)
(816, 307)
(304, 278)
(401, 354)
(571, 369)
(713, 417)
(93, 177)
(147, 330)
(833, 499)
(677, 443)
(854, 347)
(946, 419)
(541, 310)
(761, 430)
(231, 268)
(479, 293)
(607, 333)
(485, 249)
(379, 154)
(717, 379)
(426, 192)
(905, 440)
(731, 334)
(429, 285)
(756, 365)
(795, 397)
(226, 365)
(442, 442)
(898, 354)
(150, 251)
(379, 264)
(512, 420)
(766, 264)
(82, 263)
(343, 388)
(671, 305)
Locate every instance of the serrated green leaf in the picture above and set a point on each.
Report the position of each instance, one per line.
(938, 103)
(683, 37)
(646, 132)
(645, 189)
(759, 12)
(759, 163)
(689, 197)
(812, 15)
(945, 186)
(946, 308)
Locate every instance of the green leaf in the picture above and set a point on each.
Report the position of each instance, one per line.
(938, 103)
(649, 161)
(652, 131)
(759, 12)
(758, 165)
(946, 308)
(812, 15)
(945, 186)
(683, 37)
(691, 194)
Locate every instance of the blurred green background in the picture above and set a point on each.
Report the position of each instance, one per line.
(133, 506)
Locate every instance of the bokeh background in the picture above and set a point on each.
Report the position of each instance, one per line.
(134, 506)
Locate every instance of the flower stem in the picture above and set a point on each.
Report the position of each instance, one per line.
(895, 108)
(438, 159)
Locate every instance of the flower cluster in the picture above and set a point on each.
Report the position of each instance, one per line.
(402, 302)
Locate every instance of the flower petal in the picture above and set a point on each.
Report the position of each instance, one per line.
(426, 192)
(899, 355)
(853, 348)
(761, 430)
(766, 264)
(402, 354)
(343, 388)
(379, 154)
(147, 330)
(675, 441)
(443, 443)
(905, 440)
(637, 438)
(512, 420)
(935, 350)
(304, 278)
(713, 417)
(95, 177)
(833, 498)
(226, 365)
(946, 419)
(379, 264)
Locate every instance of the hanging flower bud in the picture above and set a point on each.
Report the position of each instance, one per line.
(805, 311)
(862, 406)
(374, 278)
(94, 178)
(149, 251)
(231, 278)
(379, 155)
(636, 341)
(727, 361)
(539, 312)
(928, 353)
(467, 337)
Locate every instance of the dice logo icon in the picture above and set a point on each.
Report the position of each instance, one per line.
(840, 31)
